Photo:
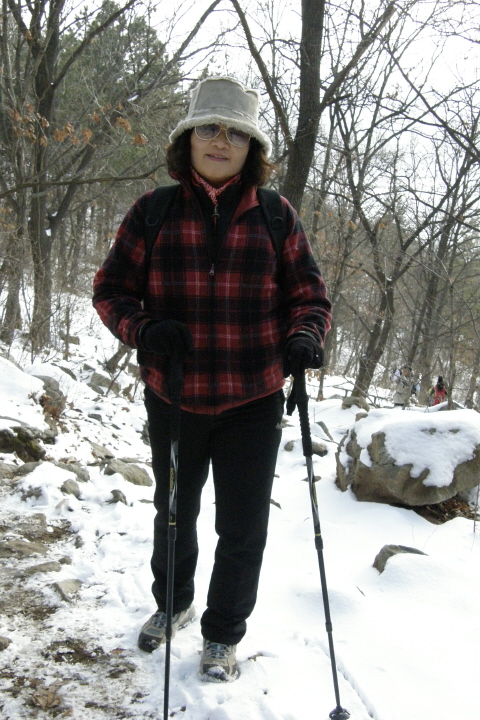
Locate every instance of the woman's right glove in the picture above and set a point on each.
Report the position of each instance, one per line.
(301, 352)
(166, 337)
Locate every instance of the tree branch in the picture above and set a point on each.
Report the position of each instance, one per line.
(265, 75)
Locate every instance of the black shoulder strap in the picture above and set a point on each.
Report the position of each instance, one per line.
(272, 208)
(158, 205)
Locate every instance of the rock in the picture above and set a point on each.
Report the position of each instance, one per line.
(67, 588)
(129, 471)
(118, 496)
(4, 642)
(81, 473)
(360, 416)
(53, 400)
(384, 481)
(360, 401)
(32, 527)
(95, 416)
(325, 429)
(102, 384)
(389, 551)
(318, 448)
(7, 470)
(21, 547)
(23, 441)
(70, 487)
(66, 370)
(65, 560)
(32, 492)
(27, 468)
(43, 568)
(100, 452)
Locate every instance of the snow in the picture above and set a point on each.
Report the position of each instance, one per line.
(16, 393)
(406, 641)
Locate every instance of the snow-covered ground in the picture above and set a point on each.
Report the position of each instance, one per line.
(407, 640)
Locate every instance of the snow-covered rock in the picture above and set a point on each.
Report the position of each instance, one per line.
(410, 458)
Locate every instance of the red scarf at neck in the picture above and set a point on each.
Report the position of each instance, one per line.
(211, 191)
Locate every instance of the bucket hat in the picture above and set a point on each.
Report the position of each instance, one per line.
(224, 100)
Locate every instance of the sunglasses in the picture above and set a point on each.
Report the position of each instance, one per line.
(211, 131)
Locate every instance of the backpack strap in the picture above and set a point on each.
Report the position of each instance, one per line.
(272, 208)
(158, 205)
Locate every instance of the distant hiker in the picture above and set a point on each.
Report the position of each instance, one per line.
(404, 386)
(438, 393)
(243, 319)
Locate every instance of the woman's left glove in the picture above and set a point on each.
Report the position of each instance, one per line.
(301, 352)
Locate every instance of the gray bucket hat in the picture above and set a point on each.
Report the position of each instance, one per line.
(226, 101)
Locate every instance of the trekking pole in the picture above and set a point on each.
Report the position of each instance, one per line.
(175, 385)
(298, 397)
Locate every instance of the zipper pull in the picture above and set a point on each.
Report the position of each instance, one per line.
(216, 215)
(212, 270)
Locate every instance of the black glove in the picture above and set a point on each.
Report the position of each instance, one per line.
(301, 352)
(166, 337)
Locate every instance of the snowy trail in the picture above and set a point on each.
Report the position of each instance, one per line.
(406, 640)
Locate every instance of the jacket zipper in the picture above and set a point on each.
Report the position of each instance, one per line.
(216, 215)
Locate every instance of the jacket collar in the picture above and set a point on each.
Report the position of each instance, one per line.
(248, 201)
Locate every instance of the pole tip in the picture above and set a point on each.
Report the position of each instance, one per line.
(339, 714)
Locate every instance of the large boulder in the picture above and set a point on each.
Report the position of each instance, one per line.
(130, 472)
(410, 458)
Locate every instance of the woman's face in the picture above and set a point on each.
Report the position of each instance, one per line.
(217, 160)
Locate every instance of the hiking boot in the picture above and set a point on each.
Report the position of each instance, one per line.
(218, 662)
(152, 633)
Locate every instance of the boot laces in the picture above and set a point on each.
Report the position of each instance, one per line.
(160, 620)
(218, 651)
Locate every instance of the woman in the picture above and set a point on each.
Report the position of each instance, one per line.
(212, 293)
(438, 393)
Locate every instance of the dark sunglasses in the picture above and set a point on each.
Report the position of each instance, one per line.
(211, 131)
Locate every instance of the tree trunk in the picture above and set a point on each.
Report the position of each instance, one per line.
(472, 386)
(303, 146)
(376, 343)
(12, 319)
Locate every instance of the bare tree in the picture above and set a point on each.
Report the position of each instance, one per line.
(46, 156)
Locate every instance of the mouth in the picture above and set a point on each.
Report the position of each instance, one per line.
(216, 158)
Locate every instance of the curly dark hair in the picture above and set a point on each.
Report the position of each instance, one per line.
(256, 170)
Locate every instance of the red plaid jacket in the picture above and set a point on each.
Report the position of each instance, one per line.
(238, 314)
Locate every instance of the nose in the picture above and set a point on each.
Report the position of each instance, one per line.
(221, 139)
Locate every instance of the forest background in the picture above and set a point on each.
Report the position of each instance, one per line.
(373, 110)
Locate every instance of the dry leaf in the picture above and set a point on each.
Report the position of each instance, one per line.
(46, 697)
(139, 139)
(121, 122)
(60, 135)
(86, 134)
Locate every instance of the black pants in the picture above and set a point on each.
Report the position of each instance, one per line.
(242, 445)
